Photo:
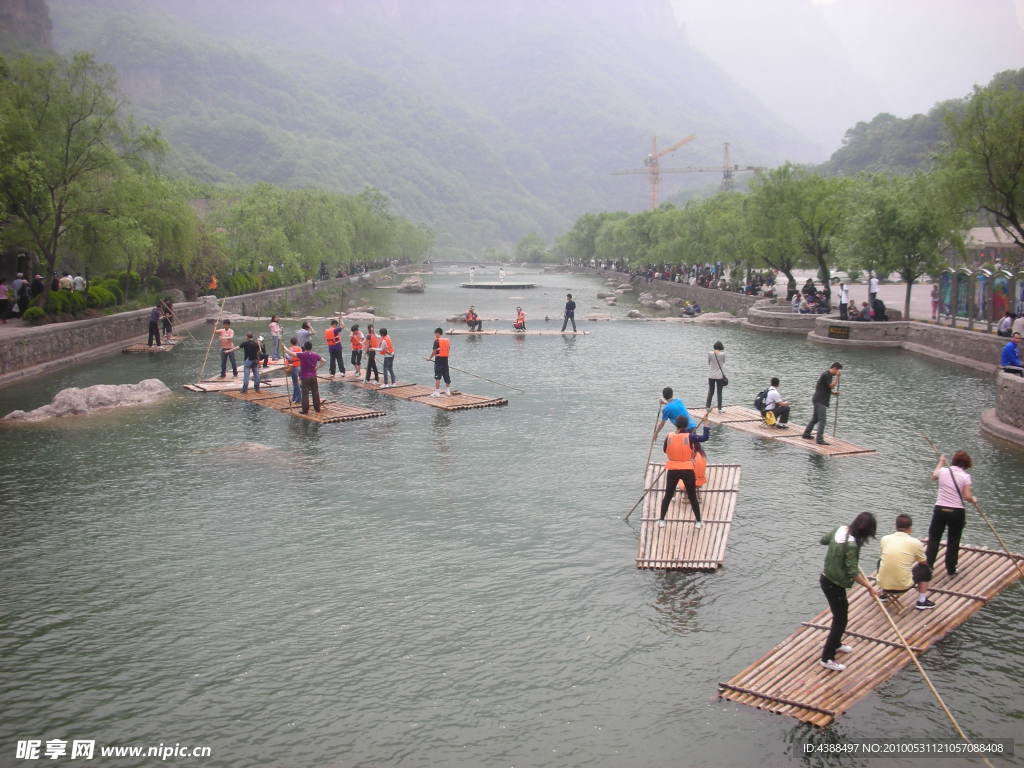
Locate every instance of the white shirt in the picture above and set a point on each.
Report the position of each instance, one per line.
(1005, 324)
(873, 285)
(771, 399)
(947, 496)
(844, 295)
(79, 283)
(1018, 325)
(714, 359)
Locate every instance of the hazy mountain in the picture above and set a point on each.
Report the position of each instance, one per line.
(485, 120)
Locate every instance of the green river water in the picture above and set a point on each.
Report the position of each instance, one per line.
(458, 589)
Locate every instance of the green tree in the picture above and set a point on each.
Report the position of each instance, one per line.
(69, 144)
(775, 234)
(985, 156)
(907, 221)
(531, 249)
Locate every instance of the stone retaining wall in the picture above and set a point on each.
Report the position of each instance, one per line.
(769, 316)
(709, 299)
(968, 348)
(1006, 420)
(265, 303)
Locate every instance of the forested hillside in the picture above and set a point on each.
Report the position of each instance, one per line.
(889, 143)
(485, 121)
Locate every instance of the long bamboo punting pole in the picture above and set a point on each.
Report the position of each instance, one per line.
(835, 418)
(220, 311)
(650, 448)
(927, 680)
(988, 522)
(654, 484)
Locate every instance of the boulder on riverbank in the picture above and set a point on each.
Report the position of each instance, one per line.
(412, 284)
(75, 401)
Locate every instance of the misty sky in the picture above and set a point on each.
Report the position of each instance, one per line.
(823, 65)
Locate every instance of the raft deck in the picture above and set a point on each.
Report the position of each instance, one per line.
(510, 332)
(457, 401)
(330, 411)
(234, 385)
(680, 546)
(788, 680)
(749, 420)
(506, 285)
(167, 344)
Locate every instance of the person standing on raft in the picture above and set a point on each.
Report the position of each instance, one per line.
(291, 358)
(227, 349)
(839, 574)
(439, 354)
(570, 313)
(372, 348)
(309, 361)
(680, 465)
(716, 374)
(826, 387)
(332, 335)
(948, 512)
(387, 355)
(356, 341)
(671, 409)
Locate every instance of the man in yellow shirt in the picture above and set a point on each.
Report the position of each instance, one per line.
(903, 564)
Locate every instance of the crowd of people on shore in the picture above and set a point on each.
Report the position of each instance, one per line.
(16, 296)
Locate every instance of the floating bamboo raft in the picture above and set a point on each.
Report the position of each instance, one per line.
(679, 545)
(788, 680)
(234, 385)
(168, 343)
(505, 332)
(506, 286)
(749, 420)
(457, 401)
(330, 411)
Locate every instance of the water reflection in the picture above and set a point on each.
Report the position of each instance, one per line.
(677, 600)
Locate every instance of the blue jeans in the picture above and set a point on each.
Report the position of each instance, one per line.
(224, 357)
(389, 369)
(296, 390)
(254, 367)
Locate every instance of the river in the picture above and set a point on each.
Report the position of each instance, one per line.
(458, 589)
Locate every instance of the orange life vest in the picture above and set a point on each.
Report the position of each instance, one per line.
(679, 451)
(371, 342)
(700, 467)
(389, 348)
(332, 336)
(470, 316)
(357, 341)
(443, 345)
(295, 361)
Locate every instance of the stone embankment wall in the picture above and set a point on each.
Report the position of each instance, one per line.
(709, 299)
(1006, 420)
(967, 348)
(36, 350)
(66, 343)
(779, 318)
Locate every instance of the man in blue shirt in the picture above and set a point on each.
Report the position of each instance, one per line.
(1010, 359)
(672, 407)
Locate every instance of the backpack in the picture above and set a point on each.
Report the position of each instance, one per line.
(759, 399)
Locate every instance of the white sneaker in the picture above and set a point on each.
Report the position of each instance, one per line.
(448, 393)
(662, 523)
(699, 525)
(835, 666)
(844, 649)
(436, 393)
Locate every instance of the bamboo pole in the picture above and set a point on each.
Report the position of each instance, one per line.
(650, 448)
(475, 375)
(917, 663)
(835, 418)
(654, 484)
(984, 517)
(220, 311)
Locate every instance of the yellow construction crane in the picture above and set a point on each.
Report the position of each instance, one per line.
(728, 169)
(652, 165)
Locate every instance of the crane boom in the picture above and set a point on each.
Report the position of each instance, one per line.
(675, 146)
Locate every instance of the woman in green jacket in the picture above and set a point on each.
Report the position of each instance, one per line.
(840, 572)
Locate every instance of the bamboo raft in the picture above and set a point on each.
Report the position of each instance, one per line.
(330, 412)
(508, 332)
(679, 546)
(788, 680)
(168, 343)
(234, 385)
(457, 401)
(506, 286)
(749, 420)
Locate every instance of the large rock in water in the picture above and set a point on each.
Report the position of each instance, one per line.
(75, 401)
(412, 285)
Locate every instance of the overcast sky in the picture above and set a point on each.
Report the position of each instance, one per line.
(823, 65)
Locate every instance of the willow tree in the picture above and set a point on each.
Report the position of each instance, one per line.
(774, 233)
(68, 144)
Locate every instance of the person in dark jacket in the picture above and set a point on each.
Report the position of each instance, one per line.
(570, 313)
(154, 326)
(823, 392)
(839, 574)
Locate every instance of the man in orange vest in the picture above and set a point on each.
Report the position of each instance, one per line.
(439, 354)
(520, 321)
(680, 451)
(332, 335)
(291, 357)
(387, 354)
(372, 348)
